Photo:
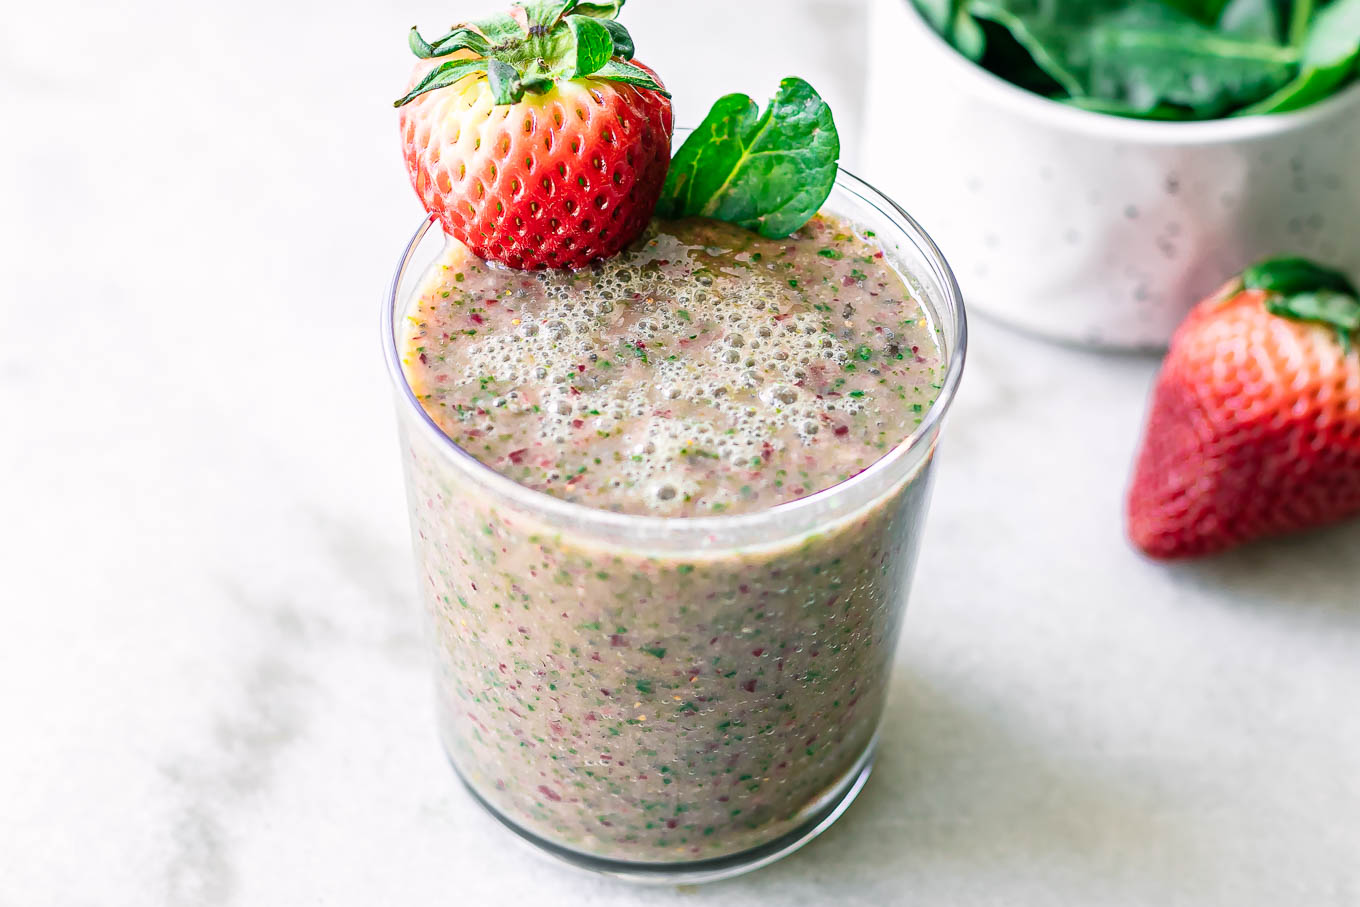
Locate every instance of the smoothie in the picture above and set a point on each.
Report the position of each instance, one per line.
(620, 698)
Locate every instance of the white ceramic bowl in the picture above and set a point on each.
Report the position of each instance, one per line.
(1093, 228)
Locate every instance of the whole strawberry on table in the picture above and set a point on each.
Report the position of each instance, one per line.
(1254, 427)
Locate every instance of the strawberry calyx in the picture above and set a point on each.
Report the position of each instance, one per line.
(532, 48)
(1301, 290)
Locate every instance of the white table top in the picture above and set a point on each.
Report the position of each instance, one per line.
(211, 677)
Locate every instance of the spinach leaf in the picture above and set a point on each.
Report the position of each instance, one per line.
(1331, 56)
(967, 35)
(1205, 12)
(953, 21)
(1003, 55)
(1146, 56)
(1125, 109)
(1161, 59)
(767, 172)
(939, 13)
(1262, 20)
(1054, 41)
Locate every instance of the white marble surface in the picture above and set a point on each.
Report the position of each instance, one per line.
(211, 681)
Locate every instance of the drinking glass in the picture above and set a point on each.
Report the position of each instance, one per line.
(669, 699)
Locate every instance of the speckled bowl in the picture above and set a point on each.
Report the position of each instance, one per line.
(1091, 228)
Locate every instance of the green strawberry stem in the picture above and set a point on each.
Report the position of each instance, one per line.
(532, 48)
(1299, 289)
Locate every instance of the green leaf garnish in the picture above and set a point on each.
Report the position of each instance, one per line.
(767, 172)
(1299, 289)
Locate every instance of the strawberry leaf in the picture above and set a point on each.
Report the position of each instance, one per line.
(630, 75)
(442, 75)
(459, 39)
(599, 10)
(1299, 289)
(1289, 275)
(547, 14)
(767, 172)
(594, 45)
(1329, 307)
(505, 84)
(535, 46)
(500, 30)
(623, 42)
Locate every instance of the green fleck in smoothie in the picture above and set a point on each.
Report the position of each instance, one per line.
(609, 693)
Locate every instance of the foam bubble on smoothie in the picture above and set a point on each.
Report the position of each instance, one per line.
(664, 358)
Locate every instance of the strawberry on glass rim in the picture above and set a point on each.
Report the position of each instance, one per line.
(534, 138)
(1254, 426)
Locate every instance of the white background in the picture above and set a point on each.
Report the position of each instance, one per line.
(212, 689)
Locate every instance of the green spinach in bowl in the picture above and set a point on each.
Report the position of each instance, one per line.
(1161, 59)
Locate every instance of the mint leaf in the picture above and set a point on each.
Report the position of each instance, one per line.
(767, 172)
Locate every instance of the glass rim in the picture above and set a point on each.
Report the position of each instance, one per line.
(556, 509)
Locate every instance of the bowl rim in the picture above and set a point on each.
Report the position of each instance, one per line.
(1096, 124)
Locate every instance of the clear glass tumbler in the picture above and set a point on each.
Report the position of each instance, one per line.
(669, 699)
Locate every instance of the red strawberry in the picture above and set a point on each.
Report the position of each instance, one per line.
(1254, 427)
(535, 142)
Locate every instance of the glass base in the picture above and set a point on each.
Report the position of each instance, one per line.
(819, 815)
